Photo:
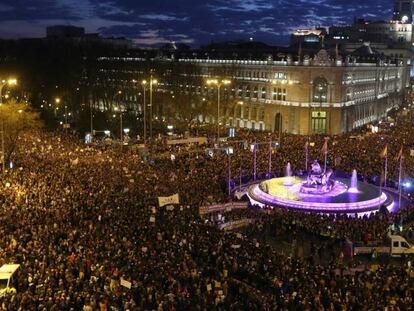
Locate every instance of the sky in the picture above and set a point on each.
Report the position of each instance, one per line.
(193, 22)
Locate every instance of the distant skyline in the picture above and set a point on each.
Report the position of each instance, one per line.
(193, 22)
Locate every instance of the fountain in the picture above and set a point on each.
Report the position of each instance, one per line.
(319, 192)
(288, 176)
(354, 183)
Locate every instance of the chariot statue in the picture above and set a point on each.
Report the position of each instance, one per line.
(317, 182)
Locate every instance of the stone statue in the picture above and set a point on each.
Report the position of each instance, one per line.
(317, 181)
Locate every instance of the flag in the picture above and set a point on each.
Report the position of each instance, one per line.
(384, 153)
(324, 149)
(382, 177)
(400, 154)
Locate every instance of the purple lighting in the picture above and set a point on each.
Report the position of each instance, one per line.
(338, 200)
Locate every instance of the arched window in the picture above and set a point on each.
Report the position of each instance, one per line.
(255, 91)
(248, 91)
(278, 123)
(348, 94)
(263, 93)
(320, 90)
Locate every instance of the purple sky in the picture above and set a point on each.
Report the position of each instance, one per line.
(194, 22)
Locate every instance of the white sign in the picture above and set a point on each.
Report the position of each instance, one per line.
(223, 207)
(192, 140)
(126, 283)
(173, 199)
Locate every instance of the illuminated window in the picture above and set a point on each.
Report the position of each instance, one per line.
(320, 90)
(319, 122)
(280, 75)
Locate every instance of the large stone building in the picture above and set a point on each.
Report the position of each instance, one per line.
(300, 94)
(318, 95)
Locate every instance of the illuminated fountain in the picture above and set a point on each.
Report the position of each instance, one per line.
(354, 182)
(288, 176)
(319, 192)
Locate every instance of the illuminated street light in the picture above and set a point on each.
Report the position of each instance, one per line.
(144, 83)
(120, 117)
(151, 83)
(218, 84)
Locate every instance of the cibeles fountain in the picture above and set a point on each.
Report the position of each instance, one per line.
(319, 191)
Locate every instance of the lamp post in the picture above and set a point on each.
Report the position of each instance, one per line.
(144, 87)
(151, 84)
(57, 102)
(120, 115)
(91, 118)
(218, 84)
(120, 119)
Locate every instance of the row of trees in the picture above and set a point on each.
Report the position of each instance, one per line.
(16, 118)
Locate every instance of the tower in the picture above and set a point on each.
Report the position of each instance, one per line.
(403, 11)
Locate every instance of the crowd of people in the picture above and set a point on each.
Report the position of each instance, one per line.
(84, 224)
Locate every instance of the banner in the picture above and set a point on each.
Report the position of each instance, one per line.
(198, 140)
(173, 199)
(236, 224)
(126, 283)
(222, 207)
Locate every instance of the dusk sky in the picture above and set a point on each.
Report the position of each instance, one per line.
(194, 22)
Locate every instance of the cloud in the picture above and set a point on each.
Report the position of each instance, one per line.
(191, 21)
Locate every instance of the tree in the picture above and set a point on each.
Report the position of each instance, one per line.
(16, 118)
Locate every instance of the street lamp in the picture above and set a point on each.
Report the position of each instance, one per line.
(144, 87)
(57, 102)
(120, 117)
(151, 83)
(218, 84)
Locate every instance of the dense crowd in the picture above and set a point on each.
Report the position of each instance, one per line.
(84, 224)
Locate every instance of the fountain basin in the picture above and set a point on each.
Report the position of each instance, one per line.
(337, 200)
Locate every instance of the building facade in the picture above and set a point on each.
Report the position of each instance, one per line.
(323, 93)
(318, 95)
